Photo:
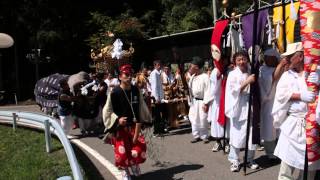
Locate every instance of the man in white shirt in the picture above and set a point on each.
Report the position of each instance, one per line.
(158, 96)
(289, 111)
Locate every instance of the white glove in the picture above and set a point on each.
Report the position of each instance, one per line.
(164, 101)
(307, 96)
(95, 88)
(313, 78)
(84, 91)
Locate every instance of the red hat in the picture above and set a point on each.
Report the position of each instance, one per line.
(126, 68)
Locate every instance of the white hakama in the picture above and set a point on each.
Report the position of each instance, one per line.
(289, 116)
(213, 99)
(267, 93)
(236, 108)
(198, 87)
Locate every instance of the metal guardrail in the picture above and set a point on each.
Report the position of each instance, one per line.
(49, 125)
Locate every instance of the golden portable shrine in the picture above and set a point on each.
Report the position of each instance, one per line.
(105, 62)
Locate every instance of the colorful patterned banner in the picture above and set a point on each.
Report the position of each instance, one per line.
(310, 36)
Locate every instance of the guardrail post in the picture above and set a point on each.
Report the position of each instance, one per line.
(47, 135)
(15, 98)
(65, 178)
(14, 124)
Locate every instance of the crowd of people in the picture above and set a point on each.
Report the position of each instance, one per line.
(215, 101)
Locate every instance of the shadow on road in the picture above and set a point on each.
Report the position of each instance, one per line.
(264, 163)
(180, 131)
(169, 173)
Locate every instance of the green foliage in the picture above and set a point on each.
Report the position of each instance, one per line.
(185, 15)
(47, 37)
(125, 27)
(129, 29)
(149, 19)
(66, 29)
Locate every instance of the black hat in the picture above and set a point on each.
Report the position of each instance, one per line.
(197, 61)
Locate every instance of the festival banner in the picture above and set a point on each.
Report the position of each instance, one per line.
(290, 12)
(247, 22)
(310, 36)
(216, 37)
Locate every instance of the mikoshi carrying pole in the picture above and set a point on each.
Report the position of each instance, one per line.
(283, 4)
(310, 36)
(255, 19)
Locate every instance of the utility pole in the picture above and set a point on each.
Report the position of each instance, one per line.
(1, 79)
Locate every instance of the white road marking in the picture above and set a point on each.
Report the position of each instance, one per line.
(107, 164)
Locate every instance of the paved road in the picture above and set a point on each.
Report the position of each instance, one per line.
(179, 159)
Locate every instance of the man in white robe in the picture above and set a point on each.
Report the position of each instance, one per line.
(268, 78)
(212, 99)
(198, 86)
(236, 109)
(289, 111)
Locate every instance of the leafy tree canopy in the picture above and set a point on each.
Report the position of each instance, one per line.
(125, 27)
(89, 24)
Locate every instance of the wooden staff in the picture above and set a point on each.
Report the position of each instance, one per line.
(283, 4)
(305, 168)
(253, 70)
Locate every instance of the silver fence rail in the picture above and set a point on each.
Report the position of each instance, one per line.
(49, 125)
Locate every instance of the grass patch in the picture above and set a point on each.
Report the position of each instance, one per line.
(23, 156)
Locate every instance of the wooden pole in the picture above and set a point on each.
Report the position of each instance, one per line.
(255, 18)
(283, 4)
(306, 165)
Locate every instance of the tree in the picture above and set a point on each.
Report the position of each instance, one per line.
(107, 29)
(185, 15)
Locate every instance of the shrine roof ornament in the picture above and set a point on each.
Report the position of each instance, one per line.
(112, 52)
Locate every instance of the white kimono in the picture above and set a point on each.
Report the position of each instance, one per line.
(198, 87)
(236, 109)
(289, 116)
(267, 93)
(213, 99)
